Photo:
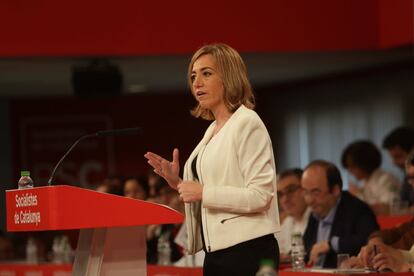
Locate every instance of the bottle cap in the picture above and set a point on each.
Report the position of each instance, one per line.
(267, 262)
(25, 173)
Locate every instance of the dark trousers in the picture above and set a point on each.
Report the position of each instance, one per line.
(242, 259)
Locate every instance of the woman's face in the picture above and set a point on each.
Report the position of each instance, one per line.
(207, 84)
(132, 189)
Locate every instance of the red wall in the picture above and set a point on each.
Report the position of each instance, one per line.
(130, 27)
(396, 23)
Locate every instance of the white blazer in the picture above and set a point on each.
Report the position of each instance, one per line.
(237, 170)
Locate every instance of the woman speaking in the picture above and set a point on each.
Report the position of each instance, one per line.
(229, 180)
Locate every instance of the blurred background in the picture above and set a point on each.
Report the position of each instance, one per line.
(325, 73)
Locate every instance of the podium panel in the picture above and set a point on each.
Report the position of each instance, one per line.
(67, 207)
(112, 239)
(111, 251)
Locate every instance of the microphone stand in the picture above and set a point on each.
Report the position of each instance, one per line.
(49, 182)
(111, 132)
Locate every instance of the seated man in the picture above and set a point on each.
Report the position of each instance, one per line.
(292, 201)
(340, 222)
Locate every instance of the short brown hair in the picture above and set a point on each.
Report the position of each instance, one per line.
(333, 176)
(233, 72)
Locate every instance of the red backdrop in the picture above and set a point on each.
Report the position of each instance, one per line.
(130, 27)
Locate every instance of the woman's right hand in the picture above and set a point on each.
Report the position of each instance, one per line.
(166, 169)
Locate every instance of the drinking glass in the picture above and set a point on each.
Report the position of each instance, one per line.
(342, 261)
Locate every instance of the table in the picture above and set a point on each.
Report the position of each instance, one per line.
(386, 222)
(18, 269)
(294, 273)
(10, 269)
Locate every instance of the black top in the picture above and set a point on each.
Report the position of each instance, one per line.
(194, 170)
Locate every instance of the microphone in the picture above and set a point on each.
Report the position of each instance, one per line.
(111, 132)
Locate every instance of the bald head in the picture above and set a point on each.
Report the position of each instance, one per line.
(322, 184)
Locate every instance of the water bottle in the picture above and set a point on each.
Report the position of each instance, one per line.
(297, 253)
(57, 254)
(25, 181)
(164, 251)
(67, 252)
(266, 268)
(31, 251)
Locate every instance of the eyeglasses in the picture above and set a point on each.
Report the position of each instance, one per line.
(288, 191)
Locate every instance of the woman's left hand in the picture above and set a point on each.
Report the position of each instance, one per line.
(190, 191)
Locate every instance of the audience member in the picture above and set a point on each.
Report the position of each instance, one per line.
(379, 188)
(389, 258)
(154, 181)
(167, 232)
(102, 188)
(292, 200)
(340, 222)
(114, 184)
(6, 248)
(111, 185)
(136, 187)
(163, 194)
(398, 144)
(400, 237)
(386, 258)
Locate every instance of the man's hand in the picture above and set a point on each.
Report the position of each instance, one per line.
(318, 249)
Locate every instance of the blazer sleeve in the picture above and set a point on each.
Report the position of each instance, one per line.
(255, 161)
(401, 237)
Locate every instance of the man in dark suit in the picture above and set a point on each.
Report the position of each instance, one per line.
(340, 223)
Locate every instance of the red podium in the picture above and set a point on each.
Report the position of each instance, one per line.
(112, 228)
